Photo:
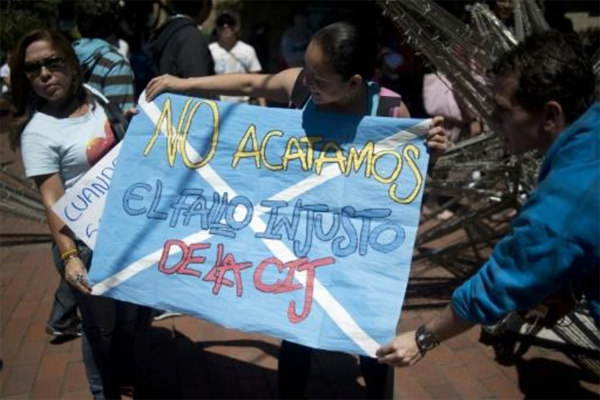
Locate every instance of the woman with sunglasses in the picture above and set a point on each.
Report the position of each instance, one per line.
(62, 131)
(339, 62)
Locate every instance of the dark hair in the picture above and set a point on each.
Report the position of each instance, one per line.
(97, 18)
(550, 66)
(350, 50)
(226, 17)
(188, 7)
(25, 101)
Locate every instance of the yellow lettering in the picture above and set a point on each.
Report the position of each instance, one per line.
(397, 168)
(166, 116)
(263, 151)
(310, 152)
(177, 139)
(242, 153)
(419, 178)
(355, 160)
(214, 137)
(324, 158)
(298, 154)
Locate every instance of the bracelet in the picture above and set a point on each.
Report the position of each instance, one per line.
(68, 254)
(70, 257)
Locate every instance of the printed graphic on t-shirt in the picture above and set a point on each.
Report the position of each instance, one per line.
(97, 147)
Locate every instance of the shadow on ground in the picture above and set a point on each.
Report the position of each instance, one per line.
(170, 365)
(541, 378)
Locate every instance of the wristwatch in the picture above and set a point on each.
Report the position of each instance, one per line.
(425, 340)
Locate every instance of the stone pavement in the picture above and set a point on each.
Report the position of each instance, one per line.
(190, 358)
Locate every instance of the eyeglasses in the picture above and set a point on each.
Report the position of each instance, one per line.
(52, 64)
(225, 19)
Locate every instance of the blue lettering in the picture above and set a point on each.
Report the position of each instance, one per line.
(180, 204)
(365, 229)
(229, 217)
(129, 195)
(336, 246)
(153, 213)
(394, 244)
(269, 230)
(69, 217)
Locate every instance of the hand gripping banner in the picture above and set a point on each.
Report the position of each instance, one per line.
(296, 224)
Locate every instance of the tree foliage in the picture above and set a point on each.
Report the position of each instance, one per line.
(17, 17)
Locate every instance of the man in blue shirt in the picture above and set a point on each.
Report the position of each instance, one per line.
(544, 95)
(104, 68)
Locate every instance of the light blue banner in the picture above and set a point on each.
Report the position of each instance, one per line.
(297, 224)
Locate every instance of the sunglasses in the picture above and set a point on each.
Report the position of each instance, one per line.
(225, 19)
(52, 64)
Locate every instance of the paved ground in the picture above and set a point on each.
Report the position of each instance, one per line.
(189, 358)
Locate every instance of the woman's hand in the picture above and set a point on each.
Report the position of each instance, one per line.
(129, 113)
(164, 83)
(437, 140)
(76, 275)
(400, 352)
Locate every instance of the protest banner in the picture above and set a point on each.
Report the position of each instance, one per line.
(82, 207)
(297, 224)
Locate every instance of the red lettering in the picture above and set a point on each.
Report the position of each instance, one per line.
(310, 268)
(165, 255)
(222, 265)
(279, 286)
(186, 258)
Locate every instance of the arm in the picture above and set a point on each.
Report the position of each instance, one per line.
(256, 68)
(51, 189)
(276, 87)
(403, 350)
(525, 267)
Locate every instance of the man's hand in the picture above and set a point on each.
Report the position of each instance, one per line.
(163, 83)
(400, 352)
(437, 140)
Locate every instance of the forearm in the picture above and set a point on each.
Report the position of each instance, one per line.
(227, 85)
(57, 229)
(448, 324)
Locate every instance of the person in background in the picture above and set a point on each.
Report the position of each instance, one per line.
(554, 246)
(295, 40)
(503, 9)
(63, 130)
(5, 76)
(178, 47)
(259, 39)
(340, 60)
(104, 67)
(231, 55)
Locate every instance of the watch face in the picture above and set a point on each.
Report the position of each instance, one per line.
(424, 339)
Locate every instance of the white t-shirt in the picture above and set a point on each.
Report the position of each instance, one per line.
(70, 146)
(4, 73)
(240, 59)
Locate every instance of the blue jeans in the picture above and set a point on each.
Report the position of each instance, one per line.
(64, 316)
(64, 309)
(108, 329)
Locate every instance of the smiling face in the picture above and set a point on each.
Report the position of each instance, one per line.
(522, 129)
(325, 85)
(48, 73)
